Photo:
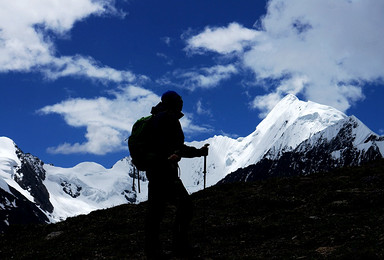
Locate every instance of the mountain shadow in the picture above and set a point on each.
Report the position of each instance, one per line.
(334, 215)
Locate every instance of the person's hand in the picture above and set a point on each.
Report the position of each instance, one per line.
(204, 150)
(174, 158)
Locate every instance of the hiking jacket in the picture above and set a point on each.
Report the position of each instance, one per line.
(168, 134)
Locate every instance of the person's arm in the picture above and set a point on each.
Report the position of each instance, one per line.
(189, 152)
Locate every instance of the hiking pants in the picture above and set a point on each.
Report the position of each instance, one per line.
(161, 192)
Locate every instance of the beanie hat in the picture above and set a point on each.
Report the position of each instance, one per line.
(172, 100)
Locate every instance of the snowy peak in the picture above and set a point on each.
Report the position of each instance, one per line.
(17, 206)
(288, 124)
(58, 193)
(290, 109)
(348, 142)
(8, 157)
(89, 186)
(293, 121)
(8, 163)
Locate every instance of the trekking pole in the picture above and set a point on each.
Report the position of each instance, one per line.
(138, 179)
(205, 168)
(203, 204)
(133, 177)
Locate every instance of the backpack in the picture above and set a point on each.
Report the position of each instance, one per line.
(139, 143)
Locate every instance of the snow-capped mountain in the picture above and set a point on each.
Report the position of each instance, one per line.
(63, 192)
(289, 123)
(300, 136)
(346, 143)
(16, 204)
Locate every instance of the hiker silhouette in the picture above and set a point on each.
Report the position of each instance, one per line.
(165, 185)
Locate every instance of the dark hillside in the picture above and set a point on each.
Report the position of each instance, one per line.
(337, 215)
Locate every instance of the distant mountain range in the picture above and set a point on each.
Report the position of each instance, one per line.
(296, 138)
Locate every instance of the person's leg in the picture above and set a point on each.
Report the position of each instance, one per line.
(154, 216)
(184, 213)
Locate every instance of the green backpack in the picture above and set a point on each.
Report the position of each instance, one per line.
(139, 143)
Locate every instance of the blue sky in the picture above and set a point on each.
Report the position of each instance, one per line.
(76, 74)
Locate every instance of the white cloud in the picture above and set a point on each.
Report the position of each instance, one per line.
(207, 77)
(100, 140)
(201, 110)
(28, 29)
(107, 121)
(336, 46)
(266, 102)
(223, 40)
(189, 127)
(167, 40)
(167, 59)
(88, 67)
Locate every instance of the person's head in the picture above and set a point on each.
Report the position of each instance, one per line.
(172, 101)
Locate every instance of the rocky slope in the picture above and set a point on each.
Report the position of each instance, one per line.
(334, 215)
